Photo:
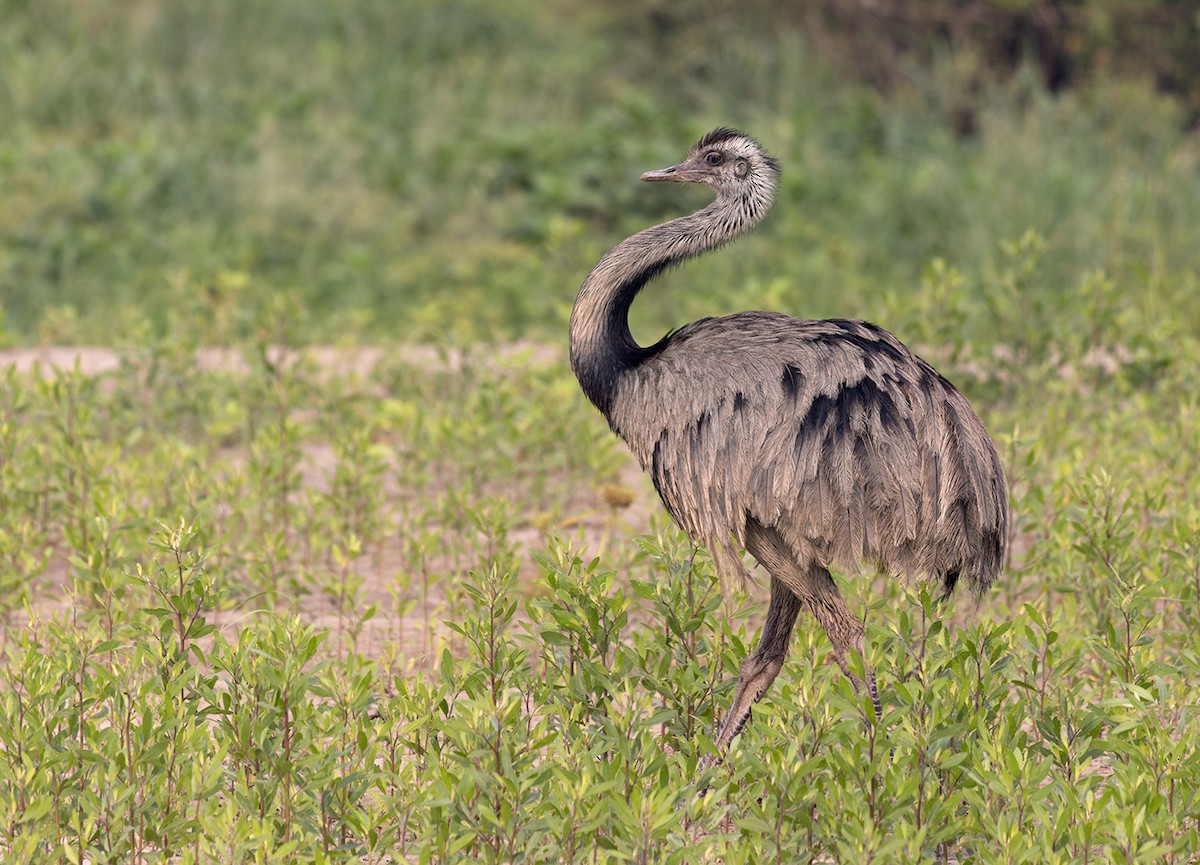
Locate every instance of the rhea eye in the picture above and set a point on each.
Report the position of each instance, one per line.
(714, 157)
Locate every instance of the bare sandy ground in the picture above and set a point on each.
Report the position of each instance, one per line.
(93, 360)
(408, 627)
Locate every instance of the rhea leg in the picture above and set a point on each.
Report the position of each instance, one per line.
(844, 630)
(761, 667)
(793, 588)
(818, 593)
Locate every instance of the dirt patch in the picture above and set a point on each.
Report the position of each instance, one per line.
(94, 361)
(408, 628)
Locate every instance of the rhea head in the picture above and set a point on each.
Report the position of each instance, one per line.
(731, 162)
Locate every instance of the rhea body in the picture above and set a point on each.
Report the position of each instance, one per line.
(810, 445)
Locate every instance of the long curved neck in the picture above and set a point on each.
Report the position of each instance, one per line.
(602, 346)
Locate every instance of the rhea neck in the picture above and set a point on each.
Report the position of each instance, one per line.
(602, 347)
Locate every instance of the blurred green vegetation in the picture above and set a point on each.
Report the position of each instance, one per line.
(448, 171)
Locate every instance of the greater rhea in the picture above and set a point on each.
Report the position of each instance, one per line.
(810, 445)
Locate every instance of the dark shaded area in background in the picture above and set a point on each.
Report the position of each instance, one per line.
(886, 43)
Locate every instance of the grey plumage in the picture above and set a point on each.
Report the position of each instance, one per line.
(809, 444)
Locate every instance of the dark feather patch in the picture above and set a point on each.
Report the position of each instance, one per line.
(721, 133)
(818, 413)
(871, 341)
(863, 401)
(792, 381)
(660, 474)
(949, 581)
(599, 376)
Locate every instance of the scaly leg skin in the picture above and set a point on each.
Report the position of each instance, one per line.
(818, 594)
(793, 588)
(845, 633)
(759, 669)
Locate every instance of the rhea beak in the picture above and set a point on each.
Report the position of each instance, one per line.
(678, 173)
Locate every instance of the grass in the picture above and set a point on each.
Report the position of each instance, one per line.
(263, 610)
(265, 600)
